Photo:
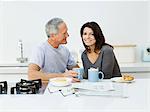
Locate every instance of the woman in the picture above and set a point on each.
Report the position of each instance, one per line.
(98, 54)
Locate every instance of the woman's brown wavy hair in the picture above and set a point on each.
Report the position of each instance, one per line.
(98, 34)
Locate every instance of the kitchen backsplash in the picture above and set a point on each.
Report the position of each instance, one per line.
(125, 53)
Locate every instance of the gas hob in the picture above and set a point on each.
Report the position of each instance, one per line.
(22, 87)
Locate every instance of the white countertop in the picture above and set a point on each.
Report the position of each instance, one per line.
(134, 67)
(138, 100)
(125, 67)
(12, 70)
(14, 64)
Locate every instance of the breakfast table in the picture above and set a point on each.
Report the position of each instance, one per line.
(134, 97)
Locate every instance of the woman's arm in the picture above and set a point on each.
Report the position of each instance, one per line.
(108, 61)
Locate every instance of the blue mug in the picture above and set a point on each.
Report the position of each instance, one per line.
(93, 75)
(80, 72)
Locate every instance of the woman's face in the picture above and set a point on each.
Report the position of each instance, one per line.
(88, 36)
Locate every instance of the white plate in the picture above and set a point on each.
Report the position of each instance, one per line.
(60, 81)
(119, 79)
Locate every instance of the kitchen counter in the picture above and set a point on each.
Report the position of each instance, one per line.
(138, 100)
(13, 68)
(125, 67)
(14, 64)
(133, 67)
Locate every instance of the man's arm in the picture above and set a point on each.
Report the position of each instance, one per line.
(34, 72)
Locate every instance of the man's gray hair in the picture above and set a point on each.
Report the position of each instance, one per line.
(52, 26)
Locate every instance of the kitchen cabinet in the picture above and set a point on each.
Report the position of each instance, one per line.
(121, 51)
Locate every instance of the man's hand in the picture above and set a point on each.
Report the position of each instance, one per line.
(75, 80)
(72, 74)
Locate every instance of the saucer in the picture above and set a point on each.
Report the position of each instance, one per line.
(120, 80)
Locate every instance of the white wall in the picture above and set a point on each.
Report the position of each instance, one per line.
(149, 21)
(1, 39)
(121, 22)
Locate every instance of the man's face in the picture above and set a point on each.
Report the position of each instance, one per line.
(62, 34)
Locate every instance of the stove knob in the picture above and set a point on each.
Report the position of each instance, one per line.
(5, 87)
(0, 89)
(12, 90)
(148, 50)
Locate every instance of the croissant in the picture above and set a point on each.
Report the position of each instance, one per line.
(128, 77)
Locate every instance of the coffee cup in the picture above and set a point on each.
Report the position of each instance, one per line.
(93, 75)
(80, 72)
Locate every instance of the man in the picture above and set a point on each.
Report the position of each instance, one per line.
(51, 58)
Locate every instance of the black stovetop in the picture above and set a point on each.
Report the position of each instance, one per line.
(22, 87)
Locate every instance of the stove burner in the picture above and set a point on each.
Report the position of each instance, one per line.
(27, 87)
(3, 87)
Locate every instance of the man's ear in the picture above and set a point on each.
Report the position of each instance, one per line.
(52, 35)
